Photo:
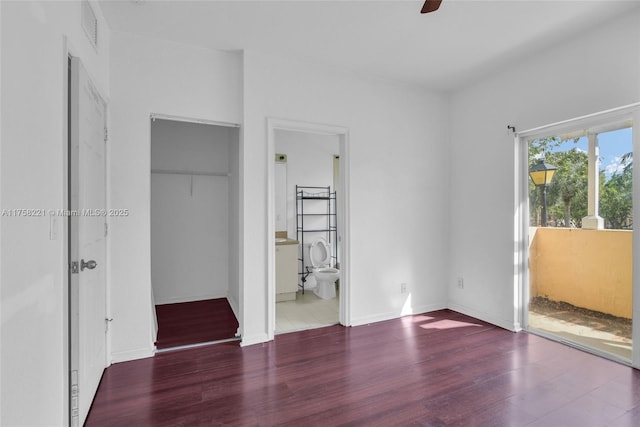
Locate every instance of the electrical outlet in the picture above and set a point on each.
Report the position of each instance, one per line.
(460, 283)
(403, 288)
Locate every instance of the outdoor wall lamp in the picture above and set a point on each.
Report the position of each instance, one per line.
(541, 174)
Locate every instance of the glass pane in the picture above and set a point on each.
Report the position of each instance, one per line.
(580, 242)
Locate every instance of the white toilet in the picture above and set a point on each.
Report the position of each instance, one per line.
(325, 275)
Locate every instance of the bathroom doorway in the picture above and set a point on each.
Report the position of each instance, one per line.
(194, 231)
(307, 157)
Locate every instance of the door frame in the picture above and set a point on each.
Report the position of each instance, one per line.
(238, 309)
(342, 133)
(521, 213)
(66, 306)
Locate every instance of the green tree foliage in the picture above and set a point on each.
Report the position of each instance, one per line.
(541, 148)
(567, 195)
(568, 191)
(538, 149)
(616, 198)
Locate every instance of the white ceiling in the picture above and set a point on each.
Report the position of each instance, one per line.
(444, 50)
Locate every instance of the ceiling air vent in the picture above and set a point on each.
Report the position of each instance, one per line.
(90, 23)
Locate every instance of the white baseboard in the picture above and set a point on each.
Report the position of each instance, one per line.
(381, 317)
(430, 307)
(373, 318)
(127, 356)
(235, 307)
(254, 339)
(480, 315)
(187, 298)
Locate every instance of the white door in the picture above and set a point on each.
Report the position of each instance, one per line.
(87, 241)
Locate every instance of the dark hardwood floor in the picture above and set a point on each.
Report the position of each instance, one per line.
(435, 369)
(195, 322)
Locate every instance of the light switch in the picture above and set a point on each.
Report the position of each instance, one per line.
(53, 227)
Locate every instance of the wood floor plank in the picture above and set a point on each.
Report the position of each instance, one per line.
(434, 369)
(195, 322)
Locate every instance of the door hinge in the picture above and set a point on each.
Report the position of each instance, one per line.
(106, 229)
(74, 399)
(106, 134)
(74, 267)
(106, 323)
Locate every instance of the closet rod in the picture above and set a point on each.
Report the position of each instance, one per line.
(171, 172)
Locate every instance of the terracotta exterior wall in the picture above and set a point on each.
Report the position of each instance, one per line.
(586, 268)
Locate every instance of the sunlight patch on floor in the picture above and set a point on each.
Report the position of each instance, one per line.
(582, 334)
(448, 324)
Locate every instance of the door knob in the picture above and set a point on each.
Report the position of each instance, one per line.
(91, 264)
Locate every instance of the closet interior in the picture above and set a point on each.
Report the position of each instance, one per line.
(194, 231)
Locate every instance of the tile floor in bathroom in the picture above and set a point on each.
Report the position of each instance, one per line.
(308, 311)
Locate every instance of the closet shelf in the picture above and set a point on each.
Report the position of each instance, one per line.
(176, 172)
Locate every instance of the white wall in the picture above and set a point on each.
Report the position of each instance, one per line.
(309, 163)
(152, 76)
(398, 172)
(594, 72)
(1, 205)
(189, 213)
(33, 372)
(183, 146)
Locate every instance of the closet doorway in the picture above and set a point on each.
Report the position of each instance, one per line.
(194, 231)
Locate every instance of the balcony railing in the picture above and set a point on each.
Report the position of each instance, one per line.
(591, 269)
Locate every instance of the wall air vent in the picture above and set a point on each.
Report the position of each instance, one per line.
(90, 23)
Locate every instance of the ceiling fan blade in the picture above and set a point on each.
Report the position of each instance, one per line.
(430, 6)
